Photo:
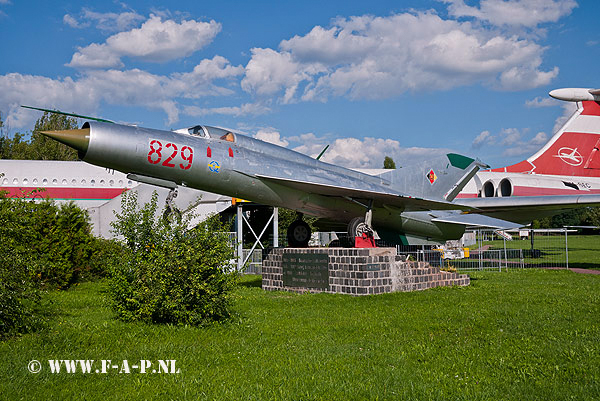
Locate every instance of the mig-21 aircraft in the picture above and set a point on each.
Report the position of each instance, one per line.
(413, 205)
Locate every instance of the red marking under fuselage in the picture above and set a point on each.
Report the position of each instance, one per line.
(64, 193)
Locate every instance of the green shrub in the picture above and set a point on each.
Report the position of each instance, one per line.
(19, 293)
(102, 252)
(44, 246)
(168, 273)
(58, 237)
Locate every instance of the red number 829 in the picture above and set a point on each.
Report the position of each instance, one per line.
(155, 154)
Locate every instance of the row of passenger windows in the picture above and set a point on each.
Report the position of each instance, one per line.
(55, 181)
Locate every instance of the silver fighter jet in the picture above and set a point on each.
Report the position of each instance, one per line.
(410, 206)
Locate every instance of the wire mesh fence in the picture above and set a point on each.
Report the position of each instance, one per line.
(500, 250)
(478, 250)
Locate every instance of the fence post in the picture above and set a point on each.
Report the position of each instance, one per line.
(505, 258)
(480, 250)
(521, 258)
(566, 247)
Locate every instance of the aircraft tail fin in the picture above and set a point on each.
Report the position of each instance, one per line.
(574, 150)
(441, 178)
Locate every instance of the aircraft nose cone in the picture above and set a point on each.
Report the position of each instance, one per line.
(78, 139)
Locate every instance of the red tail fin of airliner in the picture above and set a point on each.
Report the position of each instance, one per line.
(573, 150)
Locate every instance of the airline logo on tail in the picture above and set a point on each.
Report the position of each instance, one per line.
(570, 156)
(576, 144)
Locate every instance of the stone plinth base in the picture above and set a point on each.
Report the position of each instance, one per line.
(350, 271)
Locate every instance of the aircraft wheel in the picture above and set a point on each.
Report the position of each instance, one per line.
(172, 215)
(357, 227)
(298, 234)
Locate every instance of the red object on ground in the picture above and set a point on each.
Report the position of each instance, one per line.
(366, 241)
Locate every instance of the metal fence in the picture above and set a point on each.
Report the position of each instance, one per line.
(501, 250)
(487, 250)
(254, 262)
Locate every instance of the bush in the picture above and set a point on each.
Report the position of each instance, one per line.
(43, 246)
(168, 273)
(58, 237)
(19, 294)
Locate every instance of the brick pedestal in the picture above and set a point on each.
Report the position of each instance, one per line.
(350, 271)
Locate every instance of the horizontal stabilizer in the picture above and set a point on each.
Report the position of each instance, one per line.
(474, 220)
(514, 202)
(523, 209)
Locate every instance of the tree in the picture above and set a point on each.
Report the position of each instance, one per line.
(44, 148)
(388, 163)
(39, 147)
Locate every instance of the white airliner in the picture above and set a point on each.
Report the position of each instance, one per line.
(569, 164)
(87, 185)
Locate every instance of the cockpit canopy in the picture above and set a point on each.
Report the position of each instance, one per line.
(205, 131)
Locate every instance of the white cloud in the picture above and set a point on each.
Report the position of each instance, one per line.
(510, 142)
(526, 148)
(542, 102)
(154, 41)
(129, 87)
(271, 136)
(539, 139)
(237, 111)
(269, 72)
(515, 145)
(510, 136)
(527, 13)
(365, 153)
(17, 89)
(106, 22)
(484, 138)
(71, 21)
(113, 22)
(371, 57)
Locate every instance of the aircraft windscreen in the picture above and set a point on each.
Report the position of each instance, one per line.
(208, 132)
(197, 130)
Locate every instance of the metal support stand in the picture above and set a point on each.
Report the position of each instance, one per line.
(240, 237)
(241, 261)
(275, 227)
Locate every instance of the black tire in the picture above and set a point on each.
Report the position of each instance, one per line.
(298, 234)
(356, 228)
(172, 215)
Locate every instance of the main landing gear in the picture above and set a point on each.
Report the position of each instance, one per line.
(360, 230)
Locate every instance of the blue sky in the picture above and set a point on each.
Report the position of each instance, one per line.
(408, 79)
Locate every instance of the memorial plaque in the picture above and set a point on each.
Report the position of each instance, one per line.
(309, 270)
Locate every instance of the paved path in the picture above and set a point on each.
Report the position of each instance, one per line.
(585, 271)
(576, 270)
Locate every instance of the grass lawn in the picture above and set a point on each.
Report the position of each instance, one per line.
(521, 335)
